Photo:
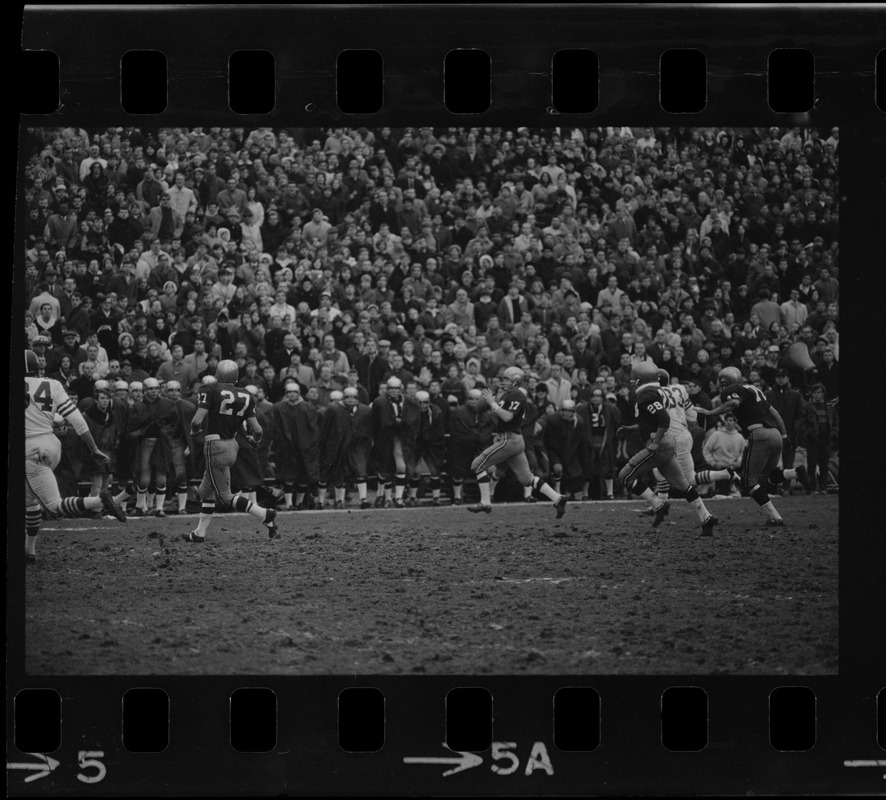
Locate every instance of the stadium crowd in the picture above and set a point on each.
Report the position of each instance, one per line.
(332, 264)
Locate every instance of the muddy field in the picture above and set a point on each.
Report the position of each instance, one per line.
(441, 591)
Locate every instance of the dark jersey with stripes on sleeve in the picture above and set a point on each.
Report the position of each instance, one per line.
(514, 401)
(753, 407)
(652, 411)
(228, 407)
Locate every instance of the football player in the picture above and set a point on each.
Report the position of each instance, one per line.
(335, 442)
(388, 411)
(508, 446)
(680, 410)
(44, 399)
(225, 406)
(766, 433)
(654, 422)
(360, 416)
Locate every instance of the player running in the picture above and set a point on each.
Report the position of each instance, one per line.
(654, 422)
(508, 445)
(681, 412)
(766, 433)
(44, 399)
(226, 406)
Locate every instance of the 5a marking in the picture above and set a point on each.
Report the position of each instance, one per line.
(501, 751)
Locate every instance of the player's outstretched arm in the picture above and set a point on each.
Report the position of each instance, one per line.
(729, 405)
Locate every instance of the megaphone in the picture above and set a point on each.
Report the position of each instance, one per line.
(797, 357)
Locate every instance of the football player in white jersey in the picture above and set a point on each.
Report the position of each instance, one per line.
(682, 414)
(44, 399)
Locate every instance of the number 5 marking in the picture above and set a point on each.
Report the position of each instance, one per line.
(88, 759)
(501, 750)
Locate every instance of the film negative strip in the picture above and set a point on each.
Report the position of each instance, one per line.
(423, 649)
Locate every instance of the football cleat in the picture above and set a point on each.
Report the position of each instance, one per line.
(270, 518)
(399, 504)
(365, 503)
(159, 513)
(380, 501)
(411, 501)
(338, 505)
(531, 499)
(772, 522)
(647, 512)
(477, 508)
(193, 538)
(560, 505)
(707, 527)
(457, 501)
(30, 558)
(660, 513)
(803, 477)
(110, 505)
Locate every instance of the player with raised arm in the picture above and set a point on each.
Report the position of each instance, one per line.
(681, 412)
(508, 446)
(225, 406)
(766, 433)
(654, 422)
(44, 399)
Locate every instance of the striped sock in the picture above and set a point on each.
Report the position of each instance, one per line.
(74, 506)
(33, 518)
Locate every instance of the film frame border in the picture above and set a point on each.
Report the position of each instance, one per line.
(841, 40)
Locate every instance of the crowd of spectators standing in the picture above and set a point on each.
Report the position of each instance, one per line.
(342, 257)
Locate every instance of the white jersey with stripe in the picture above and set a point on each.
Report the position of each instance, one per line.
(679, 407)
(44, 398)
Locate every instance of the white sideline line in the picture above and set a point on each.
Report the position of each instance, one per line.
(106, 528)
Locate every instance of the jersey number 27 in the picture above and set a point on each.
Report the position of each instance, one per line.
(233, 403)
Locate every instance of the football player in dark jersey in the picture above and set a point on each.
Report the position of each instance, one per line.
(766, 433)
(653, 422)
(226, 406)
(508, 445)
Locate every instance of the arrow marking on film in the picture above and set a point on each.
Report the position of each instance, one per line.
(463, 761)
(48, 765)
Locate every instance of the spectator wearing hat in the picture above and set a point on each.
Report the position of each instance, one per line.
(789, 404)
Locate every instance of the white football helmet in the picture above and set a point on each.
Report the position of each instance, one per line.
(643, 372)
(729, 376)
(511, 378)
(227, 371)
